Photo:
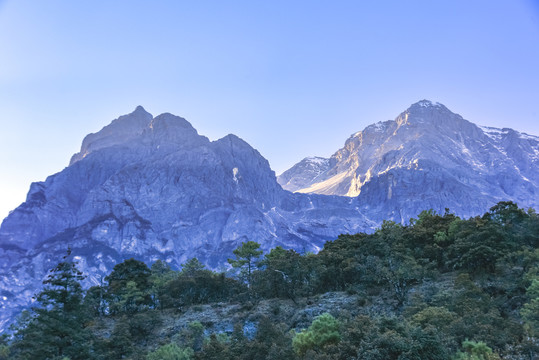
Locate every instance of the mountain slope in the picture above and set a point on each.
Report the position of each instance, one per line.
(153, 188)
(428, 157)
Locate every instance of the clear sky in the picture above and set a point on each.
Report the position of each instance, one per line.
(292, 78)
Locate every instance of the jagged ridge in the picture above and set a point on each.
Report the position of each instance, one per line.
(428, 157)
(153, 188)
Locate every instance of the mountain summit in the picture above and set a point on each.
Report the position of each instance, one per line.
(428, 157)
(117, 132)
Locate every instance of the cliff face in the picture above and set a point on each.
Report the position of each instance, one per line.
(428, 157)
(153, 188)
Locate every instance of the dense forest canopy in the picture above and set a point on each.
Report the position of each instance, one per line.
(440, 287)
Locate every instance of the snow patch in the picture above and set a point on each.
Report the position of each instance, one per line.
(529, 137)
(380, 126)
(497, 134)
(428, 103)
(492, 132)
(317, 160)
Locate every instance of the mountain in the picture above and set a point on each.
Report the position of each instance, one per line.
(428, 157)
(153, 188)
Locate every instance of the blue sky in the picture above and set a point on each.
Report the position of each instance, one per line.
(292, 78)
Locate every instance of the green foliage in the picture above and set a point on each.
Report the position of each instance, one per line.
(192, 268)
(192, 336)
(129, 287)
(161, 274)
(201, 288)
(95, 301)
(171, 352)
(216, 348)
(132, 300)
(530, 310)
(246, 257)
(389, 338)
(4, 351)
(283, 274)
(58, 327)
(476, 351)
(120, 344)
(323, 331)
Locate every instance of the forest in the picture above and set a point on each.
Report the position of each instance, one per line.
(439, 287)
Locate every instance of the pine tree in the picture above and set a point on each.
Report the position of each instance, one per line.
(57, 328)
(246, 256)
(129, 287)
(325, 330)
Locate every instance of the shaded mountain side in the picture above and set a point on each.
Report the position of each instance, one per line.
(153, 188)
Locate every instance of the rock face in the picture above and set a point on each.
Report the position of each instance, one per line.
(428, 157)
(153, 188)
(304, 174)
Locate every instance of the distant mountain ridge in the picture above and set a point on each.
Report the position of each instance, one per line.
(428, 157)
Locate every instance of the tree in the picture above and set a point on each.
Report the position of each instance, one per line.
(394, 338)
(161, 275)
(476, 351)
(132, 299)
(4, 347)
(281, 276)
(389, 261)
(323, 331)
(171, 352)
(129, 279)
(530, 310)
(192, 267)
(58, 328)
(246, 257)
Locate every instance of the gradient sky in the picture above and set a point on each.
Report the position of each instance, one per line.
(292, 78)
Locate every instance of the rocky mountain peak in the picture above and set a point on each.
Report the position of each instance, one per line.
(170, 122)
(427, 104)
(140, 108)
(234, 141)
(427, 153)
(424, 110)
(117, 132)
(426, 117)
(310, 167)
(152, 188)
(168, 128)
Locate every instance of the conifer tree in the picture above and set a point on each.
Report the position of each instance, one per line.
(246, 256)
(57, 329)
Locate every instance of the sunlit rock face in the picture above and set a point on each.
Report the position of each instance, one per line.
(428, 157)
(153, 188)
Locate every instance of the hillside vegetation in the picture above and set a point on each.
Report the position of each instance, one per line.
(439, 288)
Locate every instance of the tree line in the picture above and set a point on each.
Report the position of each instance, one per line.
(456, 289)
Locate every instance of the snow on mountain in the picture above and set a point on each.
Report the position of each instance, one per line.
(310, 169)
